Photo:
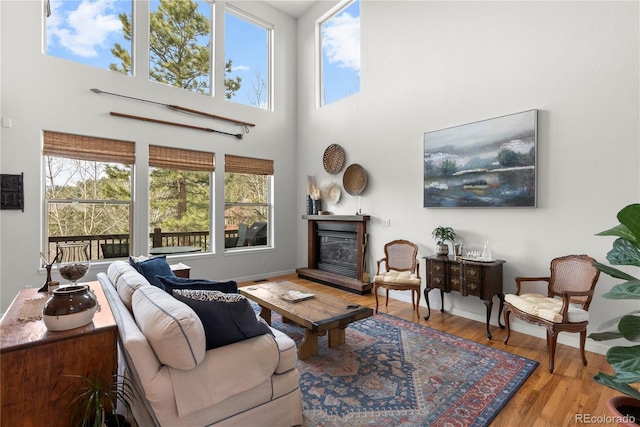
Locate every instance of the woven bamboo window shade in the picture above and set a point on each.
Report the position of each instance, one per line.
(178, 158)
(238, 164)
(88, 148)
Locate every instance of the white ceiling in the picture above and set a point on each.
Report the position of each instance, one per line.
(293, 8)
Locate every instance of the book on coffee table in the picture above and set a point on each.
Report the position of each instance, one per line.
(296, 296)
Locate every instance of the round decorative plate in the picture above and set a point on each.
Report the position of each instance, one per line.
(333, 159)
(354, 179)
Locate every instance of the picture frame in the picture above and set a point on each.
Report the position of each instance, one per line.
(489, 163)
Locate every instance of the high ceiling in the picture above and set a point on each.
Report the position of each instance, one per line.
(293, 8)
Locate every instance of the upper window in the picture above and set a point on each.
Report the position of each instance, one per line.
(91, 32)
(340, 54)
(179, 200)
(88, 194)
(247, 201)
(180, 48)
(247, 73)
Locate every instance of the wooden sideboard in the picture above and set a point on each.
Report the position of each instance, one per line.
(36, 362)
(479, 279)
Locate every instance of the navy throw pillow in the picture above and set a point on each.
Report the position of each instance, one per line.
(153, 267)
(227, 318)
(173, 282)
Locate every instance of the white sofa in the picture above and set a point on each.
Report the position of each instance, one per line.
(178, 382)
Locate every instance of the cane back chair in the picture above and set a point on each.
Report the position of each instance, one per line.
(401, 271)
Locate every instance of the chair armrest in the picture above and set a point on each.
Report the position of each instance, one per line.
(418, 269)
(520, 280)
(380, 261)
(566, 300)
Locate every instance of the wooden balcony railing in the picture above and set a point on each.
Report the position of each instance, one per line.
(117, 245)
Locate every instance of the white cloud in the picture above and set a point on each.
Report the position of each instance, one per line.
(83, 29)
(341, 41)
(240, 68)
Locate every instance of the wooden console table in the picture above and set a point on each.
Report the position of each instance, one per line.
(480, 279)
(36, 362)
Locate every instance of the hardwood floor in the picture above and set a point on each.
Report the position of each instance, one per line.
(565, 398)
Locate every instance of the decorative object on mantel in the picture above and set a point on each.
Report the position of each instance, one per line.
(332, 193)
(354, 179)
(245, 125)
(313, 196)
(69, 307)
(12, 191)
(442, 235)
(165, 122)
(333, 159)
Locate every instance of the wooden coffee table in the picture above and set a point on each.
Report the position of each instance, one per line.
(321, 314)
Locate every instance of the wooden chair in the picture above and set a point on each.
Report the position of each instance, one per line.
(573, 279)
(402, 271)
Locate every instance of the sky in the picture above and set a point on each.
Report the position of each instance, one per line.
(85, 31)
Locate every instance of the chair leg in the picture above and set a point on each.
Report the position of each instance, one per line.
(413, 300)
(386, 303)
(417, 302)
(507, 332)
(375, 292)
(583, 338)
(552, 339)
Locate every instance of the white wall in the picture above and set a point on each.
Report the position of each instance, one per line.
(46, 93)
(430, 65)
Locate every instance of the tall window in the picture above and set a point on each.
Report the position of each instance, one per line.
(180, 48)
(180, 199)
(340, 54)
(248, 203)
(88, 193)
(247, 41)
(91, 32)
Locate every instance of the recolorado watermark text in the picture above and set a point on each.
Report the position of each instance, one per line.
(603, 419)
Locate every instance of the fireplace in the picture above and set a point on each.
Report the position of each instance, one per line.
(336, 251)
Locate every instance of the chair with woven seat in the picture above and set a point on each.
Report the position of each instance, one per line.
(401, 271)
(566, 306)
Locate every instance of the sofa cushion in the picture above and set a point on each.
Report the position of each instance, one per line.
(173, 282)
(116, 269)
(227, 318)
(153, 267)
(127, 283)
(174, 330)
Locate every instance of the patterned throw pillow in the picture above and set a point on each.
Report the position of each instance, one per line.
(172, 282)
(227, 318)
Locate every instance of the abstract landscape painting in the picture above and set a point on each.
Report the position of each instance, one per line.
(490, 163)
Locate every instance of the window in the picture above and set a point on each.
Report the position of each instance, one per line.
(180, 198)
(247, 73)
(88, 193)
(340, 54)
(248, 205)
(180, 47)
(91, 32)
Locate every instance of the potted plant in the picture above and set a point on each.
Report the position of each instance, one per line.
(624, 360)
(442, 235)
(94, 402)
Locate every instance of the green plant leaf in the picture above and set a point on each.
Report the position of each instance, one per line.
(626, 362)
(627, 290)
(624, 252)
(610, 381)
(629, 327)
(630, 217)
(613, 272)
(619, 230)
(605, 336)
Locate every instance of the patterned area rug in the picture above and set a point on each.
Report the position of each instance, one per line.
(391, 372)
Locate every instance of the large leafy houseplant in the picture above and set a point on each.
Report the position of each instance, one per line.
(626, 251)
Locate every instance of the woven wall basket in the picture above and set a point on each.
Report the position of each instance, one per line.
(354, 179)
(333, 159)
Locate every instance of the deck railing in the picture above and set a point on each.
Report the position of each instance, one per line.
(117, 245)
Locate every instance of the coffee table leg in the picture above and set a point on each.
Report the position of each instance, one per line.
(265, 313)
(309, 345)
(336, 337)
